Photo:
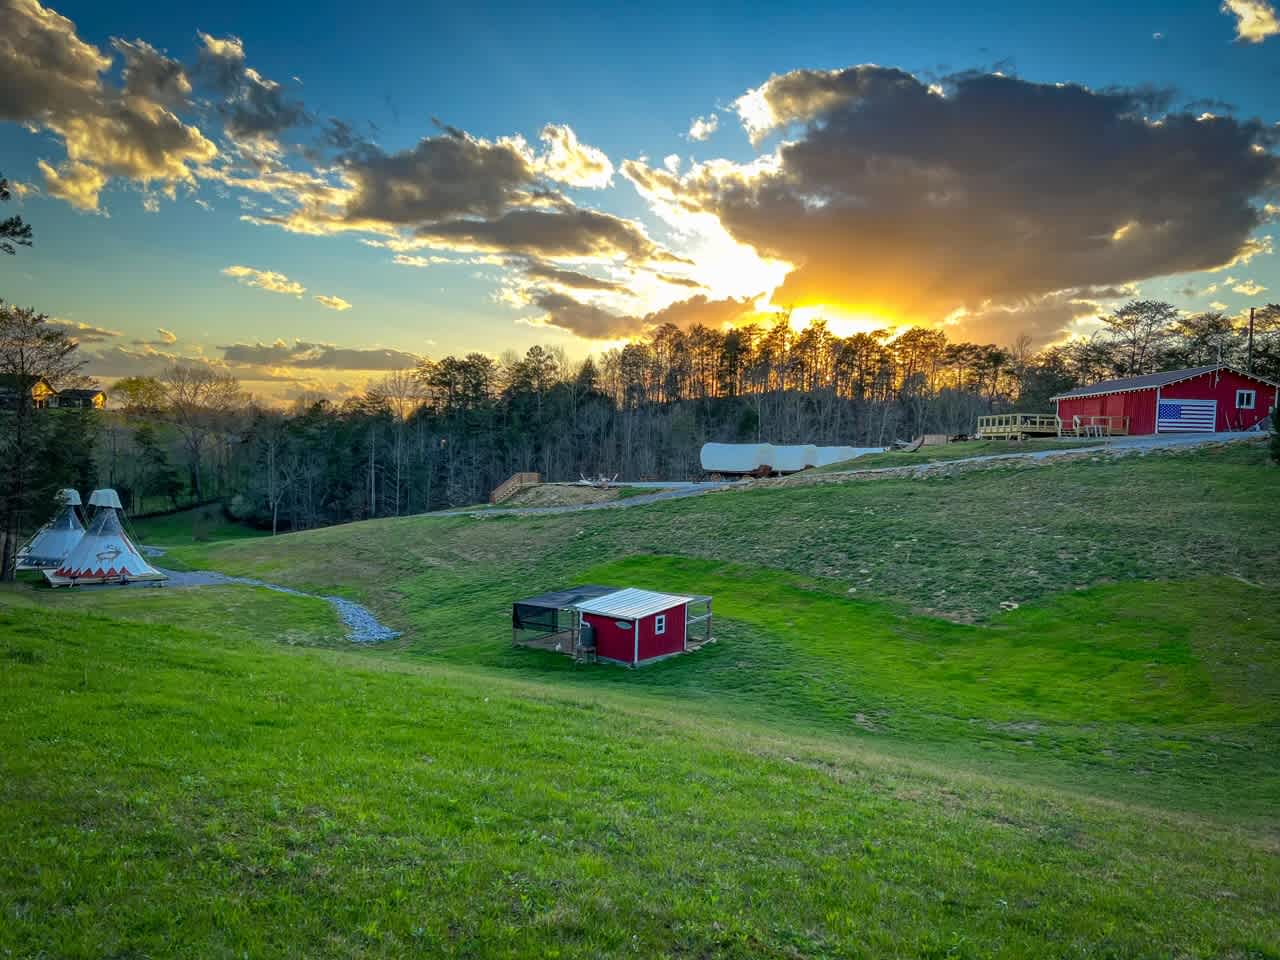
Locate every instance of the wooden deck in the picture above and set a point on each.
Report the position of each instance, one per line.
(1019, 426)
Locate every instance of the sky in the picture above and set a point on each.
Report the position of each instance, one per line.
(310, 195)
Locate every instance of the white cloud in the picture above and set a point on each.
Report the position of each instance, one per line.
(265, 280)
(571, 162)
(1217, 305)
(1255, 19)
(704, 127)
(1250, 288)
(333, 303)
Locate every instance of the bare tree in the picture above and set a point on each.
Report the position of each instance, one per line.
(31, 351)
(1139, 329)
(199, 402)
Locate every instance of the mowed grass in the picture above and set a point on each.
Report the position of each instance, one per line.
(1141, 663)
(169, 791)
(197, 525)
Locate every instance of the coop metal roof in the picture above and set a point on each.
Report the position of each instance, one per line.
(567, 598)
(631, 603)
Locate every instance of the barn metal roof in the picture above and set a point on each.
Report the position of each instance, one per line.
(631, 603)
(1152, 380)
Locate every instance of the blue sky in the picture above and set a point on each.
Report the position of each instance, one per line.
(627, 83)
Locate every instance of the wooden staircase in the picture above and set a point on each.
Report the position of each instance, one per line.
(513, 485)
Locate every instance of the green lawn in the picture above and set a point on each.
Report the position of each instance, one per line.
(167, 791)
(197, 525)
(875, 758)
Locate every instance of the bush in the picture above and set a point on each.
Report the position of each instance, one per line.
(1275, 434)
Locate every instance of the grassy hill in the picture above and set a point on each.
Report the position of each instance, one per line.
(875, 758)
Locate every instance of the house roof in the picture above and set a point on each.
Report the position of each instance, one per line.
(81, 394)
(631, 603)
(12, 381)
(1151, 380)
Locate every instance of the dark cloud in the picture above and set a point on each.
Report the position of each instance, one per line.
(445, 176)
(561, 232)
(316, 356)
(594, 323)
(584, 319)
(149, 73)
(253, 106)
(569, 278)
(912, 202)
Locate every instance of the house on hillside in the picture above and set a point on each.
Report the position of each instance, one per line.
(1195, 400)
(91, 399)
(12, 387)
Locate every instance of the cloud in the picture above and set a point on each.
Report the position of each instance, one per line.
(317, 356)
(77, 183)
(1044, 319)
(573, 163)
(563, 232)
(255, 109)
(1255, 19)
(569, 278)
(583, 319)
(1250, 288)
(83, 332)
(165, 338)
(1217, 305)
(333, 303)
(679, 281)
(413, 260)
(150, 74)
(908, 201)
(593, 322)
(53, 81)
(703, 127)
(265, 280)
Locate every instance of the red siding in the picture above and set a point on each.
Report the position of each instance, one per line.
(612, 641)
(1222, 386)
(1140, 405)
(619, 643)
(652, 645)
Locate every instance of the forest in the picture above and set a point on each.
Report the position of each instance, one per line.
(444, 434)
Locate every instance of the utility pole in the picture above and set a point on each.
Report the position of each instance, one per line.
(1248, 363)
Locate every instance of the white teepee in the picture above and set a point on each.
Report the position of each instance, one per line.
(105, 554)
(57, 538)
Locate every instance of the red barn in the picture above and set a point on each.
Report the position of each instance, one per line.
(634, 626)
(1196, 400)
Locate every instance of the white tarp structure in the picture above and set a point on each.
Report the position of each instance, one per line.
(105, 554)
(57, 538)
(780, 458)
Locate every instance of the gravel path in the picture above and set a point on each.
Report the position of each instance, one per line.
(362, 625)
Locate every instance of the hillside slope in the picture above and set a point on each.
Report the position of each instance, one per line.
(875, 758)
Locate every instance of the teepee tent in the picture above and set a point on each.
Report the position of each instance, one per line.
(105, 554)
(52, 542)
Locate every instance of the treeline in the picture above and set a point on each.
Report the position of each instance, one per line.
(446, 433)
(449, 431)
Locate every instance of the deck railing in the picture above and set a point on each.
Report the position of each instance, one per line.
(1009, 426)
(513, 485)
(1100, 426)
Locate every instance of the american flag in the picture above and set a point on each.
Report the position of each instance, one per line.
(1187, 415)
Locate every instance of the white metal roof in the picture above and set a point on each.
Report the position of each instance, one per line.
(631, 603)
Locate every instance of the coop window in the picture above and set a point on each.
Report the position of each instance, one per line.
(1245, 399)
(660, 624)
